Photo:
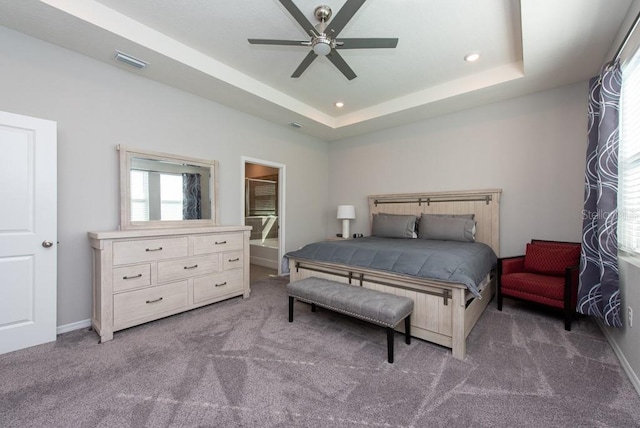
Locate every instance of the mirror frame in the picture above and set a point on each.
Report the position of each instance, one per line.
(126, 154)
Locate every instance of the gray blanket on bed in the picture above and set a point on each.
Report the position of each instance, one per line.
(449, 261)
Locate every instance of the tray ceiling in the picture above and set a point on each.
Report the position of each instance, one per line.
(201, 46)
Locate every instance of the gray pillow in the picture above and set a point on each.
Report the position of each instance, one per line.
(447, 228)
(393, 226)
(426, 216)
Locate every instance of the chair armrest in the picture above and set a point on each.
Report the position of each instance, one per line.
(571, 268)
(508, 265)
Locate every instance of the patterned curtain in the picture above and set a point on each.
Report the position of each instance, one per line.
(599, 292)
(191, 197)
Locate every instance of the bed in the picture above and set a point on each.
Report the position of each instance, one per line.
(445, 308)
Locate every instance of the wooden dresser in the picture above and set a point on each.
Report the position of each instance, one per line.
(143, 275)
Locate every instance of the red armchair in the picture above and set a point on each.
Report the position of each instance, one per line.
(547, 274)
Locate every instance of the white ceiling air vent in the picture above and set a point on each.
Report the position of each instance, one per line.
(129, 60)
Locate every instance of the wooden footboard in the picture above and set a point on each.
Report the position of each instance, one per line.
(441, 314)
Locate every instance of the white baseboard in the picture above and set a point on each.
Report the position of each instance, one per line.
(271, 264)
(633, 377)
(73, 326)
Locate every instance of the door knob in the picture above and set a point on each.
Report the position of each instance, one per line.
(47, 244)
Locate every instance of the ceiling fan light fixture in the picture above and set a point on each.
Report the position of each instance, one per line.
(321, 45)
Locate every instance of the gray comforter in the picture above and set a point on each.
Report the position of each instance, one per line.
(449, 261)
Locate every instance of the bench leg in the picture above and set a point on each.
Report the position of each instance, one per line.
(390, 344)
(290, 308)
(407, 329)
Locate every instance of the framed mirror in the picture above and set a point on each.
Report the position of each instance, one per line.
(160, 190)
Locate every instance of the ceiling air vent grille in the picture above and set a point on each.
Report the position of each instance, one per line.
(129, 60)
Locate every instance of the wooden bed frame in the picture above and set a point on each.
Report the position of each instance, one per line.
(444, 313)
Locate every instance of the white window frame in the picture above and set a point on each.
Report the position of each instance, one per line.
(629, 158)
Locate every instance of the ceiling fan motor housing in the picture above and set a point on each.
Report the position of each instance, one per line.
(322, 13)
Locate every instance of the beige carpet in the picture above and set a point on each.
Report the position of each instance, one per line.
(239, 363)
(258, 273)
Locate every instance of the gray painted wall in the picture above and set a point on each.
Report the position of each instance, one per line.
(626, 340)
(98, 106)
(533, 148)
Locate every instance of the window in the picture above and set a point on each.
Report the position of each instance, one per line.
(139, 196)
(629, 158)
(156, 196)
(262, 197)
(171, 196)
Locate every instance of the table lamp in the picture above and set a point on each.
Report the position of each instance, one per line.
(346, 213)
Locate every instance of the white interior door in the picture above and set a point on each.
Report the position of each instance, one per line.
(28, 231)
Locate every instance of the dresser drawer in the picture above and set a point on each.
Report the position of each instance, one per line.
(147, 250)
(143, 305)
(204, 244)
(233, 260)
(188, 267)
(129, 277)
(212, 286)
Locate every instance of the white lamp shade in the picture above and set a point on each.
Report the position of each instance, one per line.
(346, 212)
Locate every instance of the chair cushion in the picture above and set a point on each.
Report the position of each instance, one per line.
(550, 259)
(529, 285)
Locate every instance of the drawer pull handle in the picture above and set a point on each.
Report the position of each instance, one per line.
(235, 260)
(191, 267)
(154, 301)
(132, 277)
(220, 285)
(154, 249)
(220, 242)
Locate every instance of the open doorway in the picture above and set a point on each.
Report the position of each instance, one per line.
(263, 210)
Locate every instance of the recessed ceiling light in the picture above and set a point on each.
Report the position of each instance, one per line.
(472, 57)
(339, 104)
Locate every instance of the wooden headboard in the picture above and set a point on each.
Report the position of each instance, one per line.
(485, 204)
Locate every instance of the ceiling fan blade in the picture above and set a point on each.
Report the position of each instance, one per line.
(343, 16)
(306, 62)
(368, 43)
(341, 64)
(299, 17)
(278, 42)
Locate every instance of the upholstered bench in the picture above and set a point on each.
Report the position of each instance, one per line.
(376, 307)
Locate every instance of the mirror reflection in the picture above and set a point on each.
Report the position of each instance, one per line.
(164, 191)
(161, 190)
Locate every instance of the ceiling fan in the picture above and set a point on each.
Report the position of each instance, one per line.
(324, 39)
